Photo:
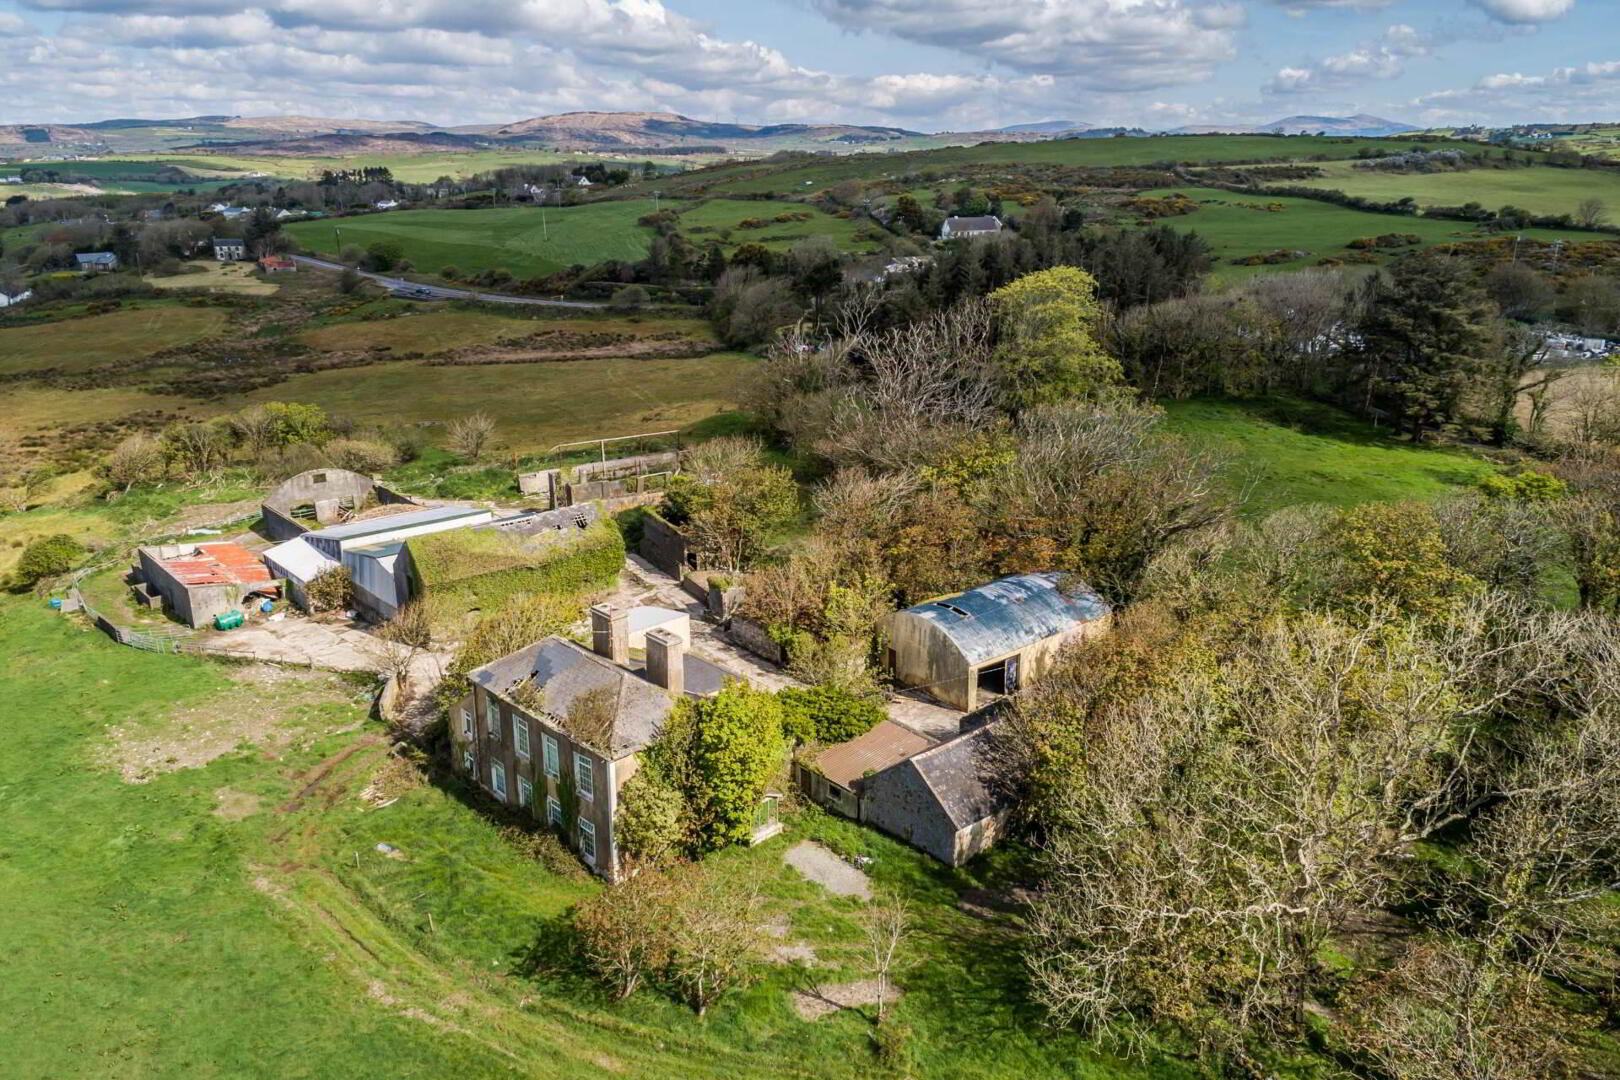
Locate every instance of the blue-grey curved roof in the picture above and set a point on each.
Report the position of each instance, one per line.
(1010, 614)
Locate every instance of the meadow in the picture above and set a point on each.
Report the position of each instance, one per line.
(808, 176)
(1237, 226)
(1540, 189)
(1286, 452)
(411, 168)
(230, 915)
(135, 332)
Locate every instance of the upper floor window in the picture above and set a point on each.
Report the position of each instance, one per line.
(552, 766)
(520, 735)
(492, 719)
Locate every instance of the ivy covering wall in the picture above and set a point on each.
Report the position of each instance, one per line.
(483, 568)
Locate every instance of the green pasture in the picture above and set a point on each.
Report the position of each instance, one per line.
(721, 219)
(1285, 452)
(95, 340)
(1238, 225)
(1540, 189)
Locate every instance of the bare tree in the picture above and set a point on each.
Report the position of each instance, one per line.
(715, 940)
(886, 924)
(137, 459)
(470, 435)
(1592, 212)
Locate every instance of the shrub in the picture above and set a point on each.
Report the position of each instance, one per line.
(651, 823)
(720, 753)
(826, 714)
(46, 557)
(361, 455)
(330, 590)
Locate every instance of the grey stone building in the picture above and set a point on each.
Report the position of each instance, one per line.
(555, 728)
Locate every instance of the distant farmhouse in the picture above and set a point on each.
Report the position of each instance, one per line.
(229, 250)
(957, 228)
(7, 299)
(97, 262)
(277, 264)
(555, 728)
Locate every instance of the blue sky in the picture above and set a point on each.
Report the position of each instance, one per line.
(921, 64)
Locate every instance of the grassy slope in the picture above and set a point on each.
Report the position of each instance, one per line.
(535, 405)
(151, 936)
(1320, 229)
(81, 344)
(1290, 452)
(759, 177)
(513, 238)
(715, 216)
(1539, 189)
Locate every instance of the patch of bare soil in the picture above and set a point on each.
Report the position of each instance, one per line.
(269, 708)
(209, 515)
(235, 805)
(824, 1000)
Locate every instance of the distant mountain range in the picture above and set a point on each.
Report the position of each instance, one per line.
(587, 132)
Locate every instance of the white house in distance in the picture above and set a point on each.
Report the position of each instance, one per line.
(385, 204)
(957, 228)
(229, 249)
(7, 299)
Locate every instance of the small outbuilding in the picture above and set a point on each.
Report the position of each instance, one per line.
(949, 801)
(97, 262)
(976, 645)
(277, 264)
(195, 582)
(322, 497)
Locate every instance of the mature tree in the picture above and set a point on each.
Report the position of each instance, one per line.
(1592, 212)
(1428, 333)
(1520, 290)
(137, 459)
(651, 824)
(716, 939)
(730, 502)
(197, 446)
(296, 422)
(1046, 347)
(624, 930)
(720, 752)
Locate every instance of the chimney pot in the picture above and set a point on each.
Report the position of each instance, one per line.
(666, 661)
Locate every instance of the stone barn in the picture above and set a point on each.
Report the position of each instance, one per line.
(949, 800)
(970, 648)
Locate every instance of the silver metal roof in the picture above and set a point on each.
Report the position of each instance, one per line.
(395, 522)
(1010, 614)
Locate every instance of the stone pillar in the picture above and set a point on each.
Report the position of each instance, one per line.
(666, 661)
(610, 633)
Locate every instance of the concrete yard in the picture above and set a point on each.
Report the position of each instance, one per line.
(820, 865)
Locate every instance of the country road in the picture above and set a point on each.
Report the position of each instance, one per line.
(440, 292)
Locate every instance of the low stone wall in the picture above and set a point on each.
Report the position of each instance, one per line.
(751, 635)
(663, 545)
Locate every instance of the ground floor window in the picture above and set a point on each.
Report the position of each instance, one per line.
(587, 840)
(553, 811)
(467, 760)
(497, 779)
(525, 792)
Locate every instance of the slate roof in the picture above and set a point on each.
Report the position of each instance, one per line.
(563, 671)
(97, 258)
(956, 226)
(964, 775)
(886, 744)
(1009, 614)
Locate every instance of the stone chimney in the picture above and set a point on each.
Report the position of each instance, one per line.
(610, 633)
(666, 661)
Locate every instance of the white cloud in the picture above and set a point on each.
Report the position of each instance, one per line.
(1102, 44)
(1583, 91)
(1384, 58)
(1525, 11)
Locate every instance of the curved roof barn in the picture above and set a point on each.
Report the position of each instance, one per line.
(1008, 614)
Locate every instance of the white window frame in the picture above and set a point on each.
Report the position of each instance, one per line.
(553, 756)
(492, 718)
(587, 830)
(525, 791)
(584, 776)
(467, 722)
(497, 780)
(553, 811)
(520, 736)
(468, 761)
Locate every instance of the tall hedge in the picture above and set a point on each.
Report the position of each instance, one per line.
(485, 567)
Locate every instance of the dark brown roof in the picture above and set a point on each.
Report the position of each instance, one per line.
(886, 744)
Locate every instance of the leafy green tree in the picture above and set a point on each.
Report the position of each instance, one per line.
(46, 557)
(1396, 554)
(730, 513)
(295, 422)
(651, 823)
(721, 752)
(909, 213)
(1430, 331)
(1046, 347)
(384, 255)
(826, 714)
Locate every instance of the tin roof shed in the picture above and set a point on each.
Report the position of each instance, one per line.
(1008, 614)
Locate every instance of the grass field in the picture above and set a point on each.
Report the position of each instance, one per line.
(219, 277)
(82, 344)
(535, 405)
(1238, 225)
(719, 219)
(427, 332)
(411, 168)
(1539, 189)
(516, 239)
(1286, 453)
(757, 177)
(231, 916)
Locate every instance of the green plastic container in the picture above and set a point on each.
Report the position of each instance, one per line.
(229, 620)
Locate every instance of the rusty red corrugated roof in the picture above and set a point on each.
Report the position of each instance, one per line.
(219, 564)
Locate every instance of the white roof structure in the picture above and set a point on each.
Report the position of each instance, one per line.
(298, 561)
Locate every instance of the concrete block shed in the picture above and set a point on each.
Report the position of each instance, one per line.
(198, 581)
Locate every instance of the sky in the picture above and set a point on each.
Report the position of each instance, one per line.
(925, 65)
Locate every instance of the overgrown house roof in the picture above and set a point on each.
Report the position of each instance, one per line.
(559, 673)
(1009, 614)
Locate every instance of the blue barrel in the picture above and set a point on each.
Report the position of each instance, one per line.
(267, 606)
(56, 603)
